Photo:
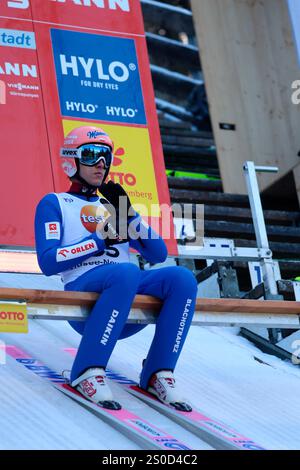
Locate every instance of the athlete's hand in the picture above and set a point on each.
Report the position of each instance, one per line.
(109, 227)
(118, 197)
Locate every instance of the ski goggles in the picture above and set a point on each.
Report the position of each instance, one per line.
(90, 154)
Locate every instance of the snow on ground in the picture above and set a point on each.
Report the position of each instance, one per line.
(50, 420)
(35, 416)
(217, 372)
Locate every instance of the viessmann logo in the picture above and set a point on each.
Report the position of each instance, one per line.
(18, 70)
(110, 4)
(28, 89)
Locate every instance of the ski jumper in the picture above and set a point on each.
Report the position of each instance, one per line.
(67, 243)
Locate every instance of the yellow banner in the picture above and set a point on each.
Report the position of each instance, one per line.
(13, 317)
(132, 166)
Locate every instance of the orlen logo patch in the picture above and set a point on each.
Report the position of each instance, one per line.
(52, 230)
(76, 251)
(91, 216)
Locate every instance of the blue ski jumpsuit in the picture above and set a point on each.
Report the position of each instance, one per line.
(85, 264)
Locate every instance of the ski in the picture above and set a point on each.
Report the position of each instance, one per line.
(127, 422)
(213, 431)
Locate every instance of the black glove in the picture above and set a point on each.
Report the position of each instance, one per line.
(119, 199)
(112, 192)
(109, 228)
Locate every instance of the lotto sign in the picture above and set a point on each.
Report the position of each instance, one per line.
(13, 317)
(95, 74)
(132, 166)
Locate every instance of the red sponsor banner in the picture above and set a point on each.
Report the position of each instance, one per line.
(26, 173)
(92, 67)
(18, 9)
(111, 16)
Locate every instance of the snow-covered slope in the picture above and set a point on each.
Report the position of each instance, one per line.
(218, 372)
(36, 416)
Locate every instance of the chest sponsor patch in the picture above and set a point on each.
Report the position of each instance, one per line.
(93, 217)
(75, 251)
(52, 230)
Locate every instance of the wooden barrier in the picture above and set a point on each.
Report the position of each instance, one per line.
(61, 305)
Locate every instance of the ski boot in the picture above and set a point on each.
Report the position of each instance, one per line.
(92, 384)
(162, 385)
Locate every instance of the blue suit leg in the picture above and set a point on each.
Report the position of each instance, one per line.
(177, 287)
(118, 284)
